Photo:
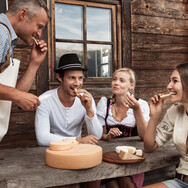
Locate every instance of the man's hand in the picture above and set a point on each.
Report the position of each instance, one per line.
(38, 52)
(86, 100)
(27, 101)
(90, 139)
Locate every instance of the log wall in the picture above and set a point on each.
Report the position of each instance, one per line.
(154, 40)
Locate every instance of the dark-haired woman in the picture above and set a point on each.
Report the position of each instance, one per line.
(174, 125)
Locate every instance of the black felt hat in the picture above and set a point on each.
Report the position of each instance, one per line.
(69, 61)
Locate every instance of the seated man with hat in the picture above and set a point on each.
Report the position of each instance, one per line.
(64, 110)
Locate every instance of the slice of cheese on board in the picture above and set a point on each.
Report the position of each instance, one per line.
(131, 149)
(139, 152)
(81, 156)
(127, 156)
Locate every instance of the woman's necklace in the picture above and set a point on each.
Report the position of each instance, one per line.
(119, 113)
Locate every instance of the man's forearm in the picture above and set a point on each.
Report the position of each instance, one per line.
(26, 81)
(7, 93)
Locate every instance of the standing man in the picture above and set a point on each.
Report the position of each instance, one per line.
(64, 110)
(25, 20)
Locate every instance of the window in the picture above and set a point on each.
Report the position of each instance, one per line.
(3, 6)
(87, 29)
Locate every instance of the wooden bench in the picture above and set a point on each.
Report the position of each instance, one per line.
(25, 167)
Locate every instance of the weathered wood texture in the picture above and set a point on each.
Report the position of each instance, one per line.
(159, 37)
(25, 167)
(154, 40)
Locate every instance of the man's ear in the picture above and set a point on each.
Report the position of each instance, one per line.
(23, 14)
(58, 77)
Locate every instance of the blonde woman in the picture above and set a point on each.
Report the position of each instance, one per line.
(124, 116)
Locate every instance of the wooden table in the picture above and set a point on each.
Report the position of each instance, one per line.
(25, 167)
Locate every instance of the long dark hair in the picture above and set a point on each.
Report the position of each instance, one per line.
(183, 71)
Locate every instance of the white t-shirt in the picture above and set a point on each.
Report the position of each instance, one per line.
(129, 121)
(175, 125)
(55, 122)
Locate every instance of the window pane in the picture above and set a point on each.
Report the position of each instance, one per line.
(68, 21)
(98, 24)
(99, 59)
(66, 48)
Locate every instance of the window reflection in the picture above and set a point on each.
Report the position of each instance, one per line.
(68, 21)
(99, 59)
(69, 33)
(98, 24)
(66, 48)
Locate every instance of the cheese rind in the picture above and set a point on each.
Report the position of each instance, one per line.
(73, 141)
(81, 156)
(60, 145)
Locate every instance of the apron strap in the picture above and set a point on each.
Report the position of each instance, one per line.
(7, 63)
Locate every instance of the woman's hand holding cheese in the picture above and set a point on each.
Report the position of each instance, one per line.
(131, 102)
(86, 100)
(113, 132)
(156, 105)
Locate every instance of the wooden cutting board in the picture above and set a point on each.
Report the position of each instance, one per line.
(112, 157)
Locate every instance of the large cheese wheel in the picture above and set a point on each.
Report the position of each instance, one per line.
(60, 145)
(81, 156)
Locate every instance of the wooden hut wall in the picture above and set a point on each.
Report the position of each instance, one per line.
(154, 39)
(159, 32)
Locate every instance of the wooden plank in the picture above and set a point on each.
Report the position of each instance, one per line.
(23, 140)
(113, 2)
(16, 167)
(159, 43)
(153, 78)
(159, 25)
(157, 60)
(159, 175)
(163, 8)
(119, 40)
(42, 75)
(126, 34)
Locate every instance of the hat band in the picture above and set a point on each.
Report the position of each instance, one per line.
(71, 66)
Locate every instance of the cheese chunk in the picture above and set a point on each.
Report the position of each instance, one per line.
(127, 156)
(61, 145)
(81, 156)
(73, 141)
(139, 152)
(131, 149)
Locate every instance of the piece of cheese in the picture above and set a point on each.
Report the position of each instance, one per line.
(131, 149)
(127, 156)
(73, 141)
(139, 152)
(61, 145)
(81, 156)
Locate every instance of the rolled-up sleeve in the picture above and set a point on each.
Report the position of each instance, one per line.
(93, 125)
(165, 129)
